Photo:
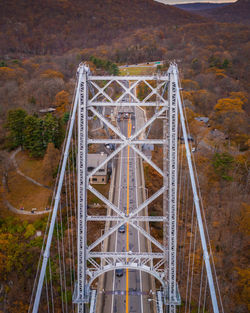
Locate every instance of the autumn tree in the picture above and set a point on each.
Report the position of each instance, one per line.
(6, 73)
(62, 101)
(52, 74)
(229, 114)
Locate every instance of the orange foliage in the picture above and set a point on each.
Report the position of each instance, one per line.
(239, 95)
(244, 286)
(243, 220)
(62, 101)
(52, 74)
(226, 105)
(189, 84)
(6, 73)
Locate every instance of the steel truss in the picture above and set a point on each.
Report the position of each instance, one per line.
(91, 96)
(166, 107)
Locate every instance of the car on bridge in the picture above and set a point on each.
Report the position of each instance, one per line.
(119, 272)
(121, 229)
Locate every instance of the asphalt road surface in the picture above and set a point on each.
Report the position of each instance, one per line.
(128, 293)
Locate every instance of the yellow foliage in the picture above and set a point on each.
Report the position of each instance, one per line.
(201, 160)
(187, 95)
(28, 63)
(227, 105)
(190, 115)
(216, 70)
(191, 84)
(220, 75)
(248, 143)
(52, 74)
(30, 231)
(243, 159)
(239, 95)
(6, 73)
(92, 66)
(244, 219)
(216, 224)
(244, 285)
(62, 101)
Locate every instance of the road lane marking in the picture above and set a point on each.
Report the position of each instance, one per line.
(116, 235)
(127, 271)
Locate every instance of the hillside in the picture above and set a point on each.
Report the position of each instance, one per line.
(41, 44)
(55, 26)
(237, 12)
(200, 6)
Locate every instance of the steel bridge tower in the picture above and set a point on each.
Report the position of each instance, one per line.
(161, 265)
(91, 98)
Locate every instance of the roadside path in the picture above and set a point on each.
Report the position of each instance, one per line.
(13, 155)
(7, 203)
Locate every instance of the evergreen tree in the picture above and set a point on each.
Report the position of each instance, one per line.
(33, 133)
(223, 163)
(34, 141)
(59, 133)
(53, 131)
(50, 125)
(15, 124)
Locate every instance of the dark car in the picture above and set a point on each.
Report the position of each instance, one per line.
(119, 272)
(121, 229)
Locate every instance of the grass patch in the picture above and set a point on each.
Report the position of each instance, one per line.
(25, 193)
(137, 71)
(31, 167)
(103, 189)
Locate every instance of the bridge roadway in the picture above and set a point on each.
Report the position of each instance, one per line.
(128, 293)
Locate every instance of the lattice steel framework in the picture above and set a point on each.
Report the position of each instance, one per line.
(92, 96)
(161, 265)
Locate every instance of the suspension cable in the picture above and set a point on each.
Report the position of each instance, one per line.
(57, 199)
(196, 200)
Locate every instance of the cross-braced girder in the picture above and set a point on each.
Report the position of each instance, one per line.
(93, 94)
(136, 217)
(163, 265)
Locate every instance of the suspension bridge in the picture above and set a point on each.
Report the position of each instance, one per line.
(145, 247)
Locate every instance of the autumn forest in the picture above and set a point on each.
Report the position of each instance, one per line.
(41, 44)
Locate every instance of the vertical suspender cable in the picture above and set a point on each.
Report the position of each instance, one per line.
(185, 204)
(201, 282)
(189, 257)
(69, 225)
(51, 287)
(192, 274)
(59, 263)
(57, 199)
(47, 294)
(63, 259)
(196, 201)
(205, 297)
